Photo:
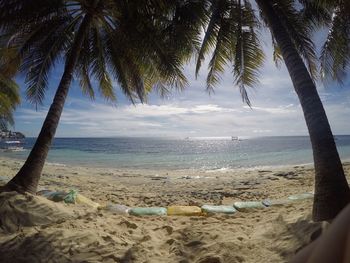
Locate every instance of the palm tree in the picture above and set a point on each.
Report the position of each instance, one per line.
(232, 34)
(128, 41)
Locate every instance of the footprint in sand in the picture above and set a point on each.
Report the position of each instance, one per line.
(210, 259)
(168, 229)
(194, 243)
(170, 241)
(128, 224)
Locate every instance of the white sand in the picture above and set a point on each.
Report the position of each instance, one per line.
(33, 229)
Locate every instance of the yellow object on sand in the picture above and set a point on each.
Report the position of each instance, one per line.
(184, 211)
(80, 199)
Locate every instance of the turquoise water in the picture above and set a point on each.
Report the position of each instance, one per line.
(180, 153)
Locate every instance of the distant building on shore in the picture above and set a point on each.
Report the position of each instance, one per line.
(5, 134)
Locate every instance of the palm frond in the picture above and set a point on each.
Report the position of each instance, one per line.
(98, 65)
(85, 83)
(221, 55)
(231, 33)
(211, 32)
(249, 55)
(9, 99)
(277, 55)
(43, 56)
(314, 13)
(299, 31)
(18, 13)
(335, 54)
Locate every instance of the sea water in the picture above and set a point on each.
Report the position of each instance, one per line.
(207, 153)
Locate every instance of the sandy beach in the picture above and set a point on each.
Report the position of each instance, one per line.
(34, 229)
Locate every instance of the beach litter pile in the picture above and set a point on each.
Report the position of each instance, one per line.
(70, 197)
(73, 197)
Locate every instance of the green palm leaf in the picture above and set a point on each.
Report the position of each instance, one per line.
(9, 99)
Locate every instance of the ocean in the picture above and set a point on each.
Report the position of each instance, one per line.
(206, 153)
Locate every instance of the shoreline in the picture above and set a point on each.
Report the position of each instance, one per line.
(174, 170)
(195, 186)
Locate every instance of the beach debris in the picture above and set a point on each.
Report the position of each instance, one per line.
(157, 177)
(80, 199)
(301, 196)
(117, 209)
(269, 202)
(190, 177)
(59, 196)
(247, 205)
(147, 211)
(70, 197)
(272, 178)
(287, 175)
(264, 171)
(179, 210)
(224, 209)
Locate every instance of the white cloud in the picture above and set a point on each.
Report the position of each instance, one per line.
(193, 112)
(95, 119)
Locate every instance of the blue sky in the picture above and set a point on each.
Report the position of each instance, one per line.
(193, 112)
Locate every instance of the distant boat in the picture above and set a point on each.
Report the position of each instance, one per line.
(234, 138)
(13, 146)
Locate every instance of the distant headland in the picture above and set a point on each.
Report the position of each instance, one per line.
(5, 134)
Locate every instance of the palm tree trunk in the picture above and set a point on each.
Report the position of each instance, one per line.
(332, 192)
(27, 179)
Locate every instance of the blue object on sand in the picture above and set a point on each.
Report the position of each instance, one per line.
(59, 196)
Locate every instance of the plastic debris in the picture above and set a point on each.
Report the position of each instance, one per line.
(59, 196)
(56, 196)
(44, 192)
(80, 199)
(224, 209)
(71, 197)
(243, 206)
(301, 196)
(146, 211)
(269, 202)
(117, 209)
(184, 211)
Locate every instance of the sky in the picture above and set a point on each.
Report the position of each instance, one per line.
(193, 112)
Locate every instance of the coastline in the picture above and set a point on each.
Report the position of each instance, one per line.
(170, 154)
(187, 186)
(268, 235)
(167, 169)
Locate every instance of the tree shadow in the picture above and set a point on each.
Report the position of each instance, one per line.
(289, 238)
